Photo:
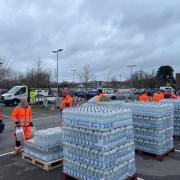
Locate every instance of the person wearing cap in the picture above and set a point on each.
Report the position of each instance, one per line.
(22, 117)
(144, 97)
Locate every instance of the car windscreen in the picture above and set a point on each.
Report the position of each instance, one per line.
(14, 89)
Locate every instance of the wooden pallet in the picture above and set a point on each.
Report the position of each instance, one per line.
(134, 177)
(65, 176)
(43, 164)
(158, 157)
(176, 137)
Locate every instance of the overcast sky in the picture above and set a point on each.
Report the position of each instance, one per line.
(107, 34)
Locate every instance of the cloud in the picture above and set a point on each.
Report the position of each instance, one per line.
(108, 35)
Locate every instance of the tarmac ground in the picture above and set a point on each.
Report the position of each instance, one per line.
(17, 169)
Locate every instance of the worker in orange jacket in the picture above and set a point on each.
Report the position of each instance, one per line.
(22, 117)
(144, 97)
(67, 100)
(156, 97)
(161, 95)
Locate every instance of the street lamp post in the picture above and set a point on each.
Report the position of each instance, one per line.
(131, 67)
(120, 75)
(73, 80)
(57, 52)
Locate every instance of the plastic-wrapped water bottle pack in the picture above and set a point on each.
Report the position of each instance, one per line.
(99, 139)
(150, 109)
(99, 158)
(50, 137)
(153, 124)
(47, 144)
(119, 103)
(45, 154)
(102, 151)
(19, 134)
(98, 117)
(176, 104)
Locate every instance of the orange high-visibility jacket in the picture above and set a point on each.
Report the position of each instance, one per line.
(144, 97)
(161, 95)
(22, 115)
(156, 97)
(66, 102)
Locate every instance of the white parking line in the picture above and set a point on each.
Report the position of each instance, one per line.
(176, 150)
(9, 117)
(48, 117)
(139, 178)
(5, 154)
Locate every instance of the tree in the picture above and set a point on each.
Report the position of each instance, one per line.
(165, 75)
(114, 82)
(86, 76)
(37, 77)
(8, 76)
(5, 69)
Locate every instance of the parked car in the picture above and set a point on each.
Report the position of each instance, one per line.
(167, 94)
(1, 124)
(90, 94)
(166, 88)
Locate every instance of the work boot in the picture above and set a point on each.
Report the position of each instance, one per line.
(17, 151)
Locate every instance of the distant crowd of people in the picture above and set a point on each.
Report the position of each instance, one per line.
(157, 96)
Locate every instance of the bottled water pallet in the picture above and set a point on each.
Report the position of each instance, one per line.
(42, 164)
(158, 157)
(65, 176)
(176, 137)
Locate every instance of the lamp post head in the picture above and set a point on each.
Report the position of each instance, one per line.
(57, 50)
(131, 65)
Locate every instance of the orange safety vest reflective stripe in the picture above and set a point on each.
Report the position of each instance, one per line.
(22, 115)
(66, 102)
(144, 97)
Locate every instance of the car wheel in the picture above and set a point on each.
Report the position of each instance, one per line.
(15, 102)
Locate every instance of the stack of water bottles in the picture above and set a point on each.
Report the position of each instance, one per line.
(153, 123)
(118, 103)
(176, 104)
(98, 142)
(47, 144)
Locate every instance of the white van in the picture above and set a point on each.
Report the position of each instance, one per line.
(14, 95)
(166, 88)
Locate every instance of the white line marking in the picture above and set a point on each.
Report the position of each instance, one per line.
(45, 117)
(139, 178)
(5, 154)
(6, 116)
(8, 123)
(37, 119)
(176, 150)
